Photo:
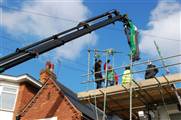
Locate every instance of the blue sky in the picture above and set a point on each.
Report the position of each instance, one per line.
(25, 22)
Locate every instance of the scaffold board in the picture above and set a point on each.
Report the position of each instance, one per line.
(146, 93)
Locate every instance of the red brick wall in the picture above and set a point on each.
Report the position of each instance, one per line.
(25, 94)
(51, 103)
(46, 74)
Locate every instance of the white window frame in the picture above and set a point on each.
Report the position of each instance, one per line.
(15, 93)
(52, 118)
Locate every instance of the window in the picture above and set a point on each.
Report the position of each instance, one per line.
(0, 101)
(7, 97)
(53, 118)
(1, 88)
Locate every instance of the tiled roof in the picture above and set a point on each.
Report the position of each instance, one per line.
(85, 109)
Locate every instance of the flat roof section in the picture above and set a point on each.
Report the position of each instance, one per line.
(151, 92)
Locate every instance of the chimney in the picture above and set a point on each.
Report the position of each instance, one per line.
(47, 73)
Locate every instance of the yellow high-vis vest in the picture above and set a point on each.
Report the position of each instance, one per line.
(126, 78)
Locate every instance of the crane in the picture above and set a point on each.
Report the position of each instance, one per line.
(33, 50)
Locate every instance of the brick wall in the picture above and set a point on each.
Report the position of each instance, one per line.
(50, 102)
(25, 94)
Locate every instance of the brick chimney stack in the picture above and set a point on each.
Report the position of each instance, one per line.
(47, 73)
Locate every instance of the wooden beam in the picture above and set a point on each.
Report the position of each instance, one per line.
(145, 84)
(174, 90)
(152, 99)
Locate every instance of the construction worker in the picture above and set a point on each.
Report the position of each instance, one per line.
(108, 73)
(126, 78)
(151, 71)
(116, 78)
(98, 74)
(107, 65)
(110, 76)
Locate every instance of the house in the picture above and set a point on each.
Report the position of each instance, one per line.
(15, 93)
(46, 99)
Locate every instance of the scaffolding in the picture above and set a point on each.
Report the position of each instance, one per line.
(147, 94)
(136, 64)
(107, 53)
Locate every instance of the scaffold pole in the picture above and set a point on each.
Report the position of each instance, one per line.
(161, 58)
(106, 83)
(130, 108)
(88, 67)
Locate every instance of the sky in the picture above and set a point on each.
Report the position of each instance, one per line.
(27, 21)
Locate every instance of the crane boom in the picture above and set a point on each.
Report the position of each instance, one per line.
(31, 51)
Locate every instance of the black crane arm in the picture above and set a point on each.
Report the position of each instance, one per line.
(31, 51)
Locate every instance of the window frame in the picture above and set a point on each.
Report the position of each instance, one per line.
(51, 118)
(9, 92)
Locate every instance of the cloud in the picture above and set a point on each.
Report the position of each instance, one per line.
(165, 24)
(58, 16)
(1, 1)
(73, 52)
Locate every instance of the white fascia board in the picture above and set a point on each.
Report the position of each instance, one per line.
(19, 79)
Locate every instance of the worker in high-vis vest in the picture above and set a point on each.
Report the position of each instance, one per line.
(126, 78)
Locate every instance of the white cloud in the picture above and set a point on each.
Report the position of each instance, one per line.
(1, 1)
(23, 22)
(75, 48)
(165, 22)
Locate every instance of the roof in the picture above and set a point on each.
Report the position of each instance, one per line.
(147, 92)
(87, 109)
(19, 79)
